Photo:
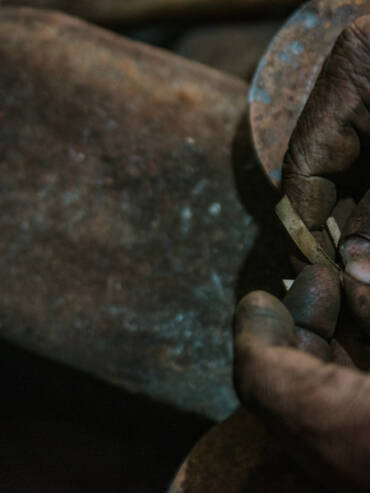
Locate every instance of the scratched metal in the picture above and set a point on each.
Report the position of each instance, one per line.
(239, 456)
(121, 229)
(288, 71)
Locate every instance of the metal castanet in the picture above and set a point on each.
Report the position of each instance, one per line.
(237, 456)
(288, 71)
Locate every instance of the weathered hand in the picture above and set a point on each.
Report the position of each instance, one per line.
(290, 365)
(299, 362)
(326, 169)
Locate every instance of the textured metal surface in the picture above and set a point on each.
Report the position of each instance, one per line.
(239, 456)
(121, 230)
(287, 73)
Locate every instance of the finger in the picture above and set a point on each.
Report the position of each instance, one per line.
(355, 253)
(324, 407)
(311, 343)
(314, 300)
(261, 320)
(335, 123)
(343, 210)
(358, 301)
(279, 375)
(340, 354)
(355, 245)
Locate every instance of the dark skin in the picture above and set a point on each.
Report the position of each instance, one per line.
(303, 362)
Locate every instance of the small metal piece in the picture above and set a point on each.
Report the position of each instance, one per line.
(288, 283)
(300, 234)
(333, 230)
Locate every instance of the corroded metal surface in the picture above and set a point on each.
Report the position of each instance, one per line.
(136, 10)
(239, 456)
(287, 73)
(121, 230)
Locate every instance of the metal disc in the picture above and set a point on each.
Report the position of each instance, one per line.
(288, 71)
(238, 456)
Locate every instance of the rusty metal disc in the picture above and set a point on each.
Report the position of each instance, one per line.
(239, 456)
(288, 71)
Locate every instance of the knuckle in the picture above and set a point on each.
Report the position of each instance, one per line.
(355, 39)
(360, 30)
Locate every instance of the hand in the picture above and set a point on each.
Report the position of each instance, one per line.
(290, 365)
(327, 170)
(297, 362)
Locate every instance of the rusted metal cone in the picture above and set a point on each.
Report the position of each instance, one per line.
(134, 10)
(121, 230)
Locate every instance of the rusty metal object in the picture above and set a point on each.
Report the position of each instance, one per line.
(239, 456)
(121, 230)
(288, 71)
(137, 10)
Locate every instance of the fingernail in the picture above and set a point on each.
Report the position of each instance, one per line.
(355, 253)
(262, 318)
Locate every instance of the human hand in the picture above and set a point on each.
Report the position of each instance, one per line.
(326, 169)
(291, 366)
